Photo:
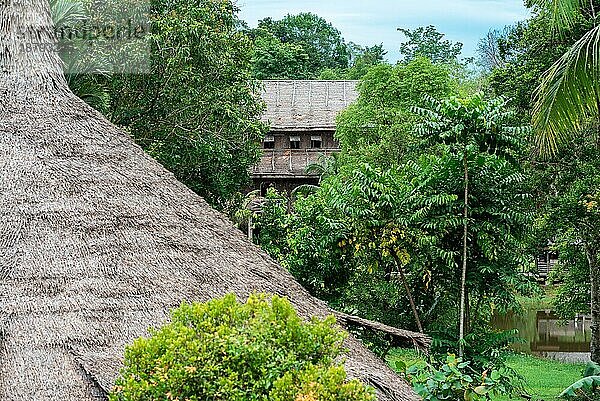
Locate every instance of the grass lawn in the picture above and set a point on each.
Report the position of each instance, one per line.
(545, 379)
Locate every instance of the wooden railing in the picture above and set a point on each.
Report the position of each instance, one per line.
(290, 161)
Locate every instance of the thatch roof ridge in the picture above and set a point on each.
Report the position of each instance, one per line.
(305, 105)
(98, 241)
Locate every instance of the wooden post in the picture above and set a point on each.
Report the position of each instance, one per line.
(250, 228)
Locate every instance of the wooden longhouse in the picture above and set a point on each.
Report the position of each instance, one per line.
(302, 116)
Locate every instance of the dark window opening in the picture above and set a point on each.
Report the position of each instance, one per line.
(294, 142)
(269, 142)
(316, 142)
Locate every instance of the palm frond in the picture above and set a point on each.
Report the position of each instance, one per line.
(303, 190)
(563, 14)
(66, 12)
(90, 91)
(568, 94)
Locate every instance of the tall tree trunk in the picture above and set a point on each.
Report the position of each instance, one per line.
(591, 250)
(592, 257)
(408, 291)
(467, 311)
(463, 281)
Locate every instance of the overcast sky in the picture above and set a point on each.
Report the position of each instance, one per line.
(369, 22)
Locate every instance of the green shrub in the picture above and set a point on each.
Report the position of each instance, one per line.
(456, 380)
(319, 383)
(226, 350)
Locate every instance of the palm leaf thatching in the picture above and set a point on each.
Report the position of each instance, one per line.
(306, 105)
(98, 241)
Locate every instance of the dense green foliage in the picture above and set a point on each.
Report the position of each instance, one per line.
(223, 349)
(307, 41)
(274, 59)
(381, 236)
(525, 52)
(379, 126)
(429, 43)
(306, 46)
(457, 380)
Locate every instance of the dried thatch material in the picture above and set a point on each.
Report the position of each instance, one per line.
(306, 105)
(98, 241)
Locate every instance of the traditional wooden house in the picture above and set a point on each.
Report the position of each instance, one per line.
(302, 116)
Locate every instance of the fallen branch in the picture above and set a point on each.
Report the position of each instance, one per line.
(420, 341)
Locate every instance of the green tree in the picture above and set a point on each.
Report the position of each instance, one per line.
(379, 124)
(428, 42)
(474, 134)
(196, 111)
(385, 213)
(274, 59)
(305, 241)
(321, 41)
(362, 59)
(525, 51)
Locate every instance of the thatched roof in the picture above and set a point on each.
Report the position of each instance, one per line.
(98, 241)
(306, 105)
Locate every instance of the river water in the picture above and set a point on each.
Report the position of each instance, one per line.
(548, 336)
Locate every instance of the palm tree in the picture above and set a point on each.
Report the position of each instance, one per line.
(66, 12)
(325, 166)
(569, 95)
(81, 70)
(566, 101)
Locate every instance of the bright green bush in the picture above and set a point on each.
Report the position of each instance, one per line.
(226, 350)
(319, 383)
